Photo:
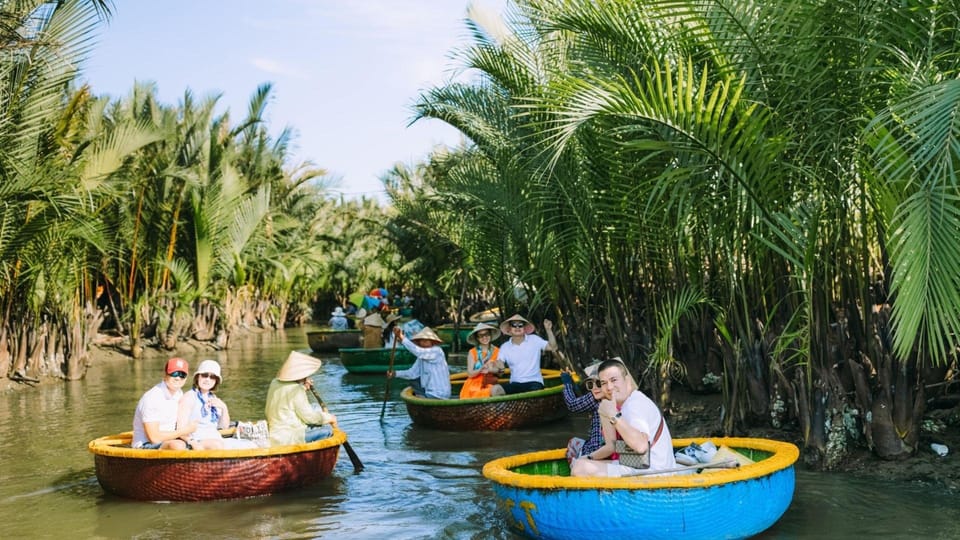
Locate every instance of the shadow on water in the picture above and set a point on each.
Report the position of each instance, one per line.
(418, 483)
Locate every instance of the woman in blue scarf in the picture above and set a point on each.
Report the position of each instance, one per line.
(201, 405)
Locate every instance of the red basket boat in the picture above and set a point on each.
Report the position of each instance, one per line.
(204, 475)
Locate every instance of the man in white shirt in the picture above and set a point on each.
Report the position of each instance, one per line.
(521, 353)
(155, 420)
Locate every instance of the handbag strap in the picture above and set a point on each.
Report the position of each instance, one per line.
(659, 432)
(656, 436)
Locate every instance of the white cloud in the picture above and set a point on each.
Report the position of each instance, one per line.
(276, 67)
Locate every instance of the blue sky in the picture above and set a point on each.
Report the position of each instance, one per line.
(345, 72)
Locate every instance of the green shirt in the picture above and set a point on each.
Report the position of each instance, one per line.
(289, 412)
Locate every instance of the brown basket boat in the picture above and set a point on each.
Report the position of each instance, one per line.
(204, 475)
(498, 413)
(330, 341)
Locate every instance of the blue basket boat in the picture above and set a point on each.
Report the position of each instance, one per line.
(538, 498)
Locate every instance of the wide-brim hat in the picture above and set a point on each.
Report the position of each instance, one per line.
(209, 366)
(374, 320)
(480, 327)
(528, 328)
(427, 333)
(392, 317)
(338, 311)
(298, 366)
(591, 370)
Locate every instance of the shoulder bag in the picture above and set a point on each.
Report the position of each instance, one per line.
(633, 459)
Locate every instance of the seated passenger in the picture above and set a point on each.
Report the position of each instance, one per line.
(588, 402)
(429, 373)
(627, 414)
(291, 418)
(202, 407)
(155, 420)
(390, 323)
(521, 353)
(481, 360)
(338, 319)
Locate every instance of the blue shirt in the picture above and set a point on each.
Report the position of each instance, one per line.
(338, 322)
(430, 367)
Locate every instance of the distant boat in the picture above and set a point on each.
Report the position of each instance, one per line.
(205, 475)
(538, 498)
(361, 360)
(489, 316)
(456, 336)
(496, 413)
(328, 340)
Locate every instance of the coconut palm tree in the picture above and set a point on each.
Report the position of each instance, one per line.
(766, 153)
(53, 172)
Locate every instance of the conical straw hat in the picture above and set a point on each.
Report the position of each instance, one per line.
(298, 366)
(374, 320)
(528, 328)
(472, 337)
(427, 333)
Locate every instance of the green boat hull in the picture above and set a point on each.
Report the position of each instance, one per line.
(377, 361)
(455, 336)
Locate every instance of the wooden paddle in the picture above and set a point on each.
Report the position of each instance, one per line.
(354, 458)
(386, 393)
(727, 464)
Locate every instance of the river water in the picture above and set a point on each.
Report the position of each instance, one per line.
(417, 483)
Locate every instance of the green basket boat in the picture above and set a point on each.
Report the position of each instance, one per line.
(376, 361)
(497, 413)
(453, 334)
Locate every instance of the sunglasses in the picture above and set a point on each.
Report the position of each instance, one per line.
(483, 334)
(178, 374)
(517, 324)
(208, 376)
(591, 383)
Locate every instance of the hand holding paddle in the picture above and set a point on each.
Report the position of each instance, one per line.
(397, 336)
(354, 458)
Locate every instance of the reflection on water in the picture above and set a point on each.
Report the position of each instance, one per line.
(418, 483)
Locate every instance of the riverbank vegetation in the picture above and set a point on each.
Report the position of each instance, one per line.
(157, 222)
(750, 198)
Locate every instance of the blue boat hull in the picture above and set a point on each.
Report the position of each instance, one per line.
(744, 503)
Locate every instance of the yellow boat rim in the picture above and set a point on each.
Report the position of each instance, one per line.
(119, 446)
(784, 455)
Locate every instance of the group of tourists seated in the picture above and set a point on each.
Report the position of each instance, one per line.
(169, 419)
(624, 421)
(430, 374)
(628, 434)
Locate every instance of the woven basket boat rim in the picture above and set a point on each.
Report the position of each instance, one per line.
(407, 396)
(784, 455)
(118, 445)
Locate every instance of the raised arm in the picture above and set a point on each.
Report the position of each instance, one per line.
(551, 339)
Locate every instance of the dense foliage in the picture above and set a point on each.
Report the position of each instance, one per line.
(155, 222)
(748, 196)
(751, 194)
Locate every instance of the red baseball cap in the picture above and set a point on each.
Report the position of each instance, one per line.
(177, 364)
